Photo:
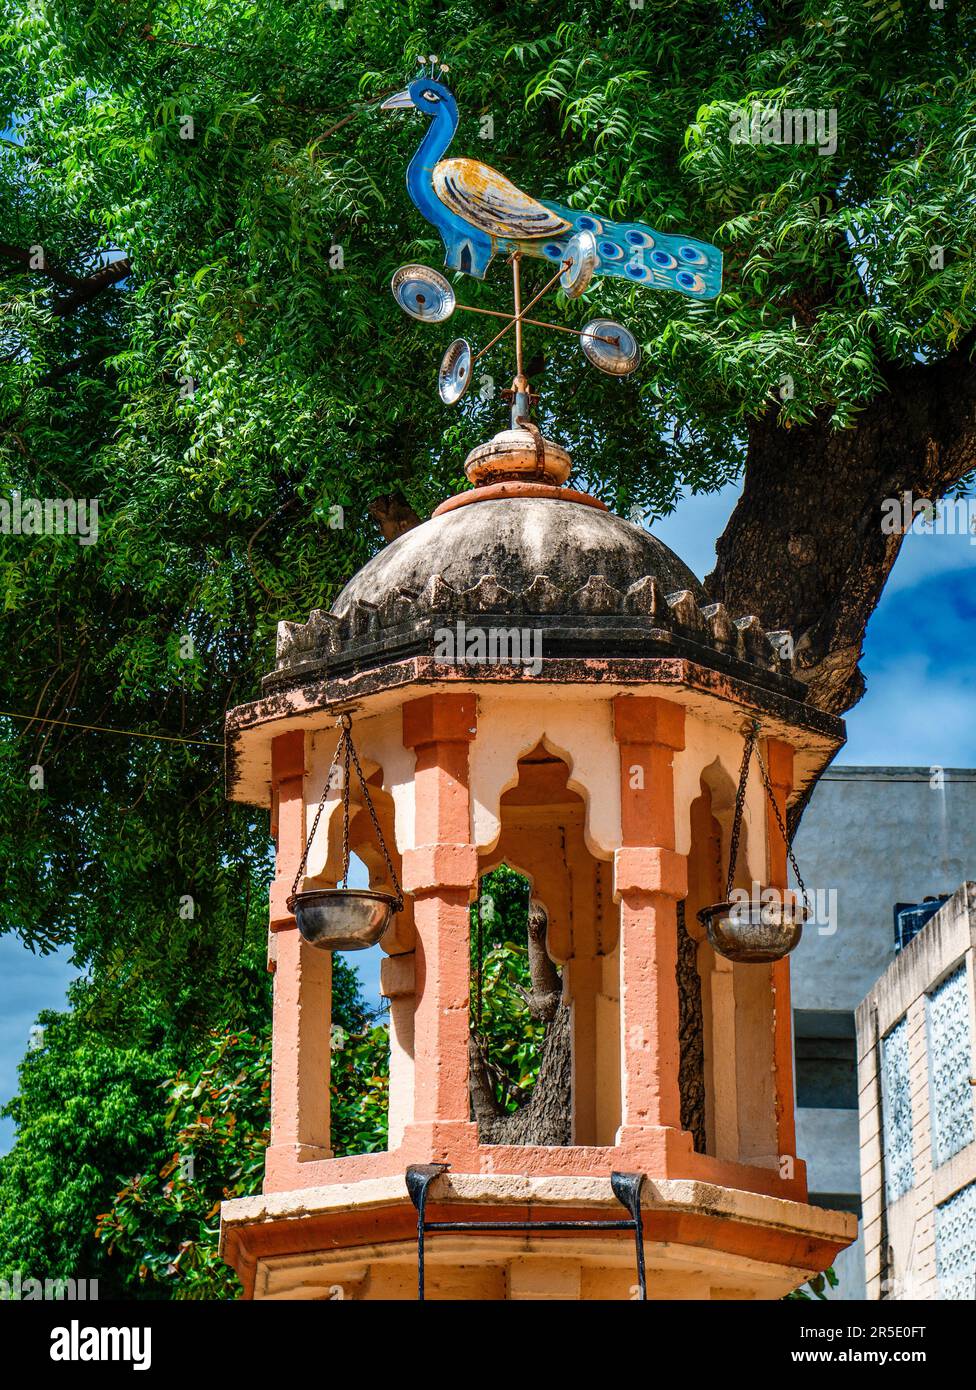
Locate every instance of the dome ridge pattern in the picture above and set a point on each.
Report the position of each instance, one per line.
(592, 584)
(643, 611)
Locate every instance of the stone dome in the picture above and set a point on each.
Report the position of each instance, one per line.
(520, 551)
(517, 539)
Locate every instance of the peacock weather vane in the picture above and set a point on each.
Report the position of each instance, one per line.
(480, 214)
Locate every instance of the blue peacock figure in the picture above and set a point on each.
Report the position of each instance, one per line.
(480, 214)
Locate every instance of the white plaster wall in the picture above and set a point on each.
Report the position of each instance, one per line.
(849, 1268)
(709, 751)
(875, 836)
(379, 743)
(578, 731)
(829, 1143)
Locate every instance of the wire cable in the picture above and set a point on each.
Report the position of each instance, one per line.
(101, 729)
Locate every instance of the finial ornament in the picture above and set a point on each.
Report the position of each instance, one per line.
(481, 214)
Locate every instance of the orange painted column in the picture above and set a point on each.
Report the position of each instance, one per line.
(287, 820)
(302, 1008)
(779, 761)
(649, 879)
(441, 873)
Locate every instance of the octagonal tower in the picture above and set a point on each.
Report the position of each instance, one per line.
(536, 682)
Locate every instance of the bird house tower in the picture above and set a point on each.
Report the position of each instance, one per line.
(534, 681)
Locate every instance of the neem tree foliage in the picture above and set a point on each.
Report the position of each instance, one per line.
(195, 328)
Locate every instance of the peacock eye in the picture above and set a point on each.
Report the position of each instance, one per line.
(431, 96)
(690, 281)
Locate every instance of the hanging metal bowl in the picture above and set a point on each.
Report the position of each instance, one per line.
(754, 932)
(342, 919)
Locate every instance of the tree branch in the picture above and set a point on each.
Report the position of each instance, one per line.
(88, 289)
(547, 986)
(393, 514)
(81, 289)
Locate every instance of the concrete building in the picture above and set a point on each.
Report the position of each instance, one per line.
(916, 1085)
(871, 837)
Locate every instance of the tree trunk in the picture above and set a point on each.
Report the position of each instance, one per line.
(804, 549)
(546, 1117)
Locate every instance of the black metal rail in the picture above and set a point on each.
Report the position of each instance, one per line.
(626, 1187)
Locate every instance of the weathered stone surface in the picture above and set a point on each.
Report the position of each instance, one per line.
(722, 630)
(646, 596)
(755, 647)
(363, 619)
(436, 596)
(296, 641)
(685, 612)
(397, 607)
(515, 540)
(488, 596)
(542, 596)
(593, 583)
(596, 596)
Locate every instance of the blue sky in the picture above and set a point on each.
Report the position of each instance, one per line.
(919, 656)
(919, 711)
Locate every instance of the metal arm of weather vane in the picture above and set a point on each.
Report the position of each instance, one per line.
(519, 316)
(538, 323)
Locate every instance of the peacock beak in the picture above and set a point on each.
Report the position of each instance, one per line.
(399, 102)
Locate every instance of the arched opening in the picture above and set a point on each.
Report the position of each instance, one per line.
(360, 1045)
(571, 965)
(371, 1035)
(515, 988)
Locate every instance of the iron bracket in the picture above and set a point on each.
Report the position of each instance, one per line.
(626, 1187)
(627, 1190)
(419, 1177)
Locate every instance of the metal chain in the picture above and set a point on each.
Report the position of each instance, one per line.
(347, 744)
(376, 826)
(318, 814)
(782, 829)
(740, 801)
(346, 750)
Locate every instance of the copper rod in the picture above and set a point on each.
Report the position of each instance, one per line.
(517, 296)
(539, 323)
(528, 306)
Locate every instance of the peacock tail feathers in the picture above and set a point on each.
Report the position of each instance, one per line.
(636, 252)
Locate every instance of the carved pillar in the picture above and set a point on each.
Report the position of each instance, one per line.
(442, 875)
(779, 761)
(398, 984)
(302, 1009)
(649, 879)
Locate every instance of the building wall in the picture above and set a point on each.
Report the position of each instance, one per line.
(871, 837)
(876, 836)
(917, 1083)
